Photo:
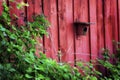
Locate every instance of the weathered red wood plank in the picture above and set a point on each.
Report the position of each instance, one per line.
(66, 34)
(38, 7)
(114, 22)
(108, 27)
(70, 33)
(82, 41)
(51, 41)
(34, 8)
(0, 7)
(17, 14)
(101, 30)
(30, 9)
(93, 29)
(62, 28)
(119, 18)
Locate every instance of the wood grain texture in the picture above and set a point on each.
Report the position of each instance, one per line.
(38, 7)
(30, 10)
(1, 7)
(66, 34)
(108, 26)
(119, 19)
(101, 28)
(62, 27)
(51, 41)
(93, 29)
(114, 23)
(82, 47)
(70, 33)
(101, 32)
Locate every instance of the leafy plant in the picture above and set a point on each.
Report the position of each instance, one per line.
(112, 63)
(18, 60)
(88, 71)
(47, 69)
(17, 48)
(16, 42)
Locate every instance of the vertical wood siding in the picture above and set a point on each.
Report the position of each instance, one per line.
(65, 19)
(51, 41)
(62, 37)
(93, 28)
(118, 19)
(108, 25)
(82, 42)
(101, 30)
(1, 7)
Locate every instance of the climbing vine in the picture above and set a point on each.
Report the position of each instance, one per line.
(17, 51)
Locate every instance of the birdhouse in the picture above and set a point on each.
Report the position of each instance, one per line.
(82, 27)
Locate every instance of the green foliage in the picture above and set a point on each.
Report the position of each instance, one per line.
(88, 71)
(111, 62)
(47, 69)
(17, 49)
(18, 60)
(21, 4)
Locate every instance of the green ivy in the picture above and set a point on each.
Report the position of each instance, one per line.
(88, 71)
(17, 52)
(111, 62)
(18, 60)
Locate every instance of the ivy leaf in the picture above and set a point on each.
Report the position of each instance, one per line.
(3, 42)
(2, 28)
(12, 70)
(13, 36)
(1, 66)
(22, 4)
(29, 70)
(93, 78)
(12, 0)
(41, 77)
(28, 76)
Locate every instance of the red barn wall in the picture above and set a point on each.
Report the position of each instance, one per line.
(63, 38)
